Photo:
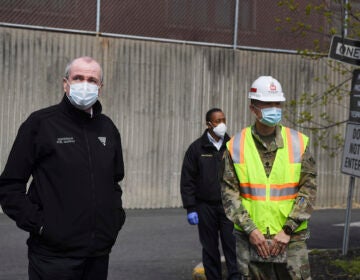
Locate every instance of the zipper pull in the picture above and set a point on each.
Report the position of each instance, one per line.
(267, 236)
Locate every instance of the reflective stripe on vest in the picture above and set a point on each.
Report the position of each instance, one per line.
(268, 200)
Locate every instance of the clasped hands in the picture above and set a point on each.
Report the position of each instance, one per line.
(277, 246)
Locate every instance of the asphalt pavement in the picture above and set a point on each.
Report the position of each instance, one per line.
(159, 244)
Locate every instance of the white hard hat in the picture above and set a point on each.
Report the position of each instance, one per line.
(267, 89)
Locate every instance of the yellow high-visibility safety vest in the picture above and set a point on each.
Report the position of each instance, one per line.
(268, 200)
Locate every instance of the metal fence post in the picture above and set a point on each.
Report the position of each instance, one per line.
(98, 16)
(348, 217)
(236, 24)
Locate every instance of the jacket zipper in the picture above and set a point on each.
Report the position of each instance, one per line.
(93, 216)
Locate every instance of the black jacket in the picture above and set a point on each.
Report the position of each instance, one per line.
(199, 173)
(76, 163)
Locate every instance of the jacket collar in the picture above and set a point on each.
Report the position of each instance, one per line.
(78, 114)
(278, 139)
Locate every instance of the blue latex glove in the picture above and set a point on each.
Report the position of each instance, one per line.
(193, 218)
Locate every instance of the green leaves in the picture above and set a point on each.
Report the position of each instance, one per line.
(323, 109)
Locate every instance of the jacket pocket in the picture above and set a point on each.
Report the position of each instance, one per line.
(49, 237)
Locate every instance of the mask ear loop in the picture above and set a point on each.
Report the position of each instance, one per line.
(67, 81)
(259, 110)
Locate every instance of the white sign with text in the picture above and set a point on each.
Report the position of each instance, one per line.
(351, 154)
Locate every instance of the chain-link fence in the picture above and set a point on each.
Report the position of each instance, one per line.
(232, 23)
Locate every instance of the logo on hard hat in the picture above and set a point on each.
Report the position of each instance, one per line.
(272, 86)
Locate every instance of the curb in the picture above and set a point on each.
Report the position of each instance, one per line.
(199, 271)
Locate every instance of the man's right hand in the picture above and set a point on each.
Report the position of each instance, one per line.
(258, 240)
(193, 218)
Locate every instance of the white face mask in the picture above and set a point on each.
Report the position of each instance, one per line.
(220, 130)
(83, 95)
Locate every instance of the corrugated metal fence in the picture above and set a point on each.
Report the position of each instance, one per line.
(157, 94)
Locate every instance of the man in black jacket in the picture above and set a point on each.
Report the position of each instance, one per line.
(72, 209)
(201, 196)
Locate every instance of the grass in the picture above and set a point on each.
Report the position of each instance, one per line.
(351, 267)
(325, 264)
(331, 264)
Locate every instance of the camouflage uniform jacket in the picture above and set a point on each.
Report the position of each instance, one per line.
(230, 190)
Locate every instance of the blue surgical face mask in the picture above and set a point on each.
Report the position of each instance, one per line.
(83, 95)
(270, 116)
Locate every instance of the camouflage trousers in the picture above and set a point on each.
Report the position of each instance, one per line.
(297, 266)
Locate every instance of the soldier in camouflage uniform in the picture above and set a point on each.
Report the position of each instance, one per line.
(270, 245)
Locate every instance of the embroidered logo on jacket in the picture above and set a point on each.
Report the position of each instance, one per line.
(206, 155)
(65, 140)
(102, 140)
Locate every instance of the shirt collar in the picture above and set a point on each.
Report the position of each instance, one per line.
(217, 144)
